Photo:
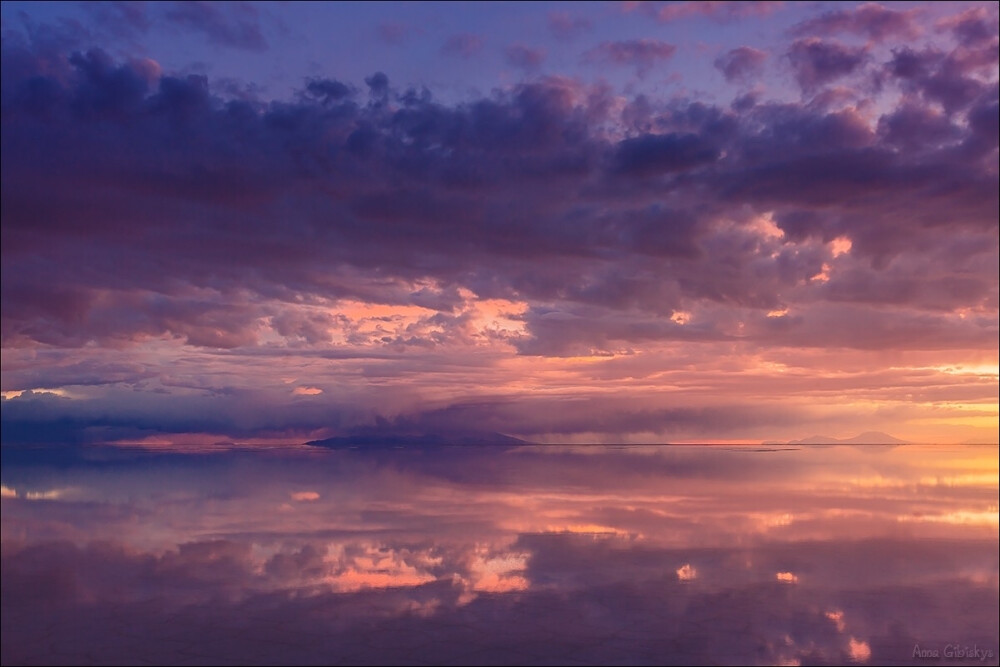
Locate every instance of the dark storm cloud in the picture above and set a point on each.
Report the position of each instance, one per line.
(137, 204)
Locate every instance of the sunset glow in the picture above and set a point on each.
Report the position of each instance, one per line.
(659, 332)
(616, 223)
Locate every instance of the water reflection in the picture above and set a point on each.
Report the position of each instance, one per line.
(586, 555)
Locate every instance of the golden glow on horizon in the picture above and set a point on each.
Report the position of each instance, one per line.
(988, 370)
(786, 577)
(767, 520)
(911, 396)
(20, 392)
(989, 422)
(680, 317)
(52, 494)
(988, 517)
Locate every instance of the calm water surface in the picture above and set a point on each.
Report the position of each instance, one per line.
(578, 555)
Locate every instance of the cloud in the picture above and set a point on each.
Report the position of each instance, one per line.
(395, 33)
(721, 12)
(151, 215)
(816, 62)
(564, 25)
(657, 153)
(973, 26)
(434, 181)
(465, 45)
(951, 80)
(235, 25)
(524, 57)
(872, 20)
(563, 547)
(741, 64)
(123, 20)
(643, 54)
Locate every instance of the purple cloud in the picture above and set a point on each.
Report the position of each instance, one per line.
(741, 64)
(524, 57)
(231, 24)
(952, 80)
(975, 25)
(871, 20)
(816, 62)
(464, 45)
(776, 156)
(564, 25)
(394, 33)
(125, 20)
(152, 215)
(721, 11)
(643, 54)
(362, 554)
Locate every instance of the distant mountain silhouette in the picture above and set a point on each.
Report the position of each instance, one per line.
(376, 440)
(866, 438)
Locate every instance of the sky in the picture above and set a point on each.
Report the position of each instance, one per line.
(595, 222)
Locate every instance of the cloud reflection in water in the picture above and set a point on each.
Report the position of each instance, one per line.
(526, 555)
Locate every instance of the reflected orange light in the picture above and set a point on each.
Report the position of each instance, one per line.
(859, 651)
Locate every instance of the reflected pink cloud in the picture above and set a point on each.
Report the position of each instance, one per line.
(583, 546)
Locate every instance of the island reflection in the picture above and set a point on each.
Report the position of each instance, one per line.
(579, 555)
